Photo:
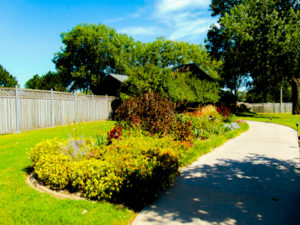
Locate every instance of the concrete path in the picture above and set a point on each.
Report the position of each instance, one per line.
(252, 179)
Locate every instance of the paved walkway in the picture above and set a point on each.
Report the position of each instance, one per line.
(252, 179)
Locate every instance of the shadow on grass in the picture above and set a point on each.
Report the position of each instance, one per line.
(256, 190)
(28, 170)
(256, 115)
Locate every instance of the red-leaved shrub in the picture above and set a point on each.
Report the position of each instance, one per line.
(151, 111)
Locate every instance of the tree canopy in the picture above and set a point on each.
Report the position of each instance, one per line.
(6, 79)
(91, 52)
(261, 38)
(51, 80)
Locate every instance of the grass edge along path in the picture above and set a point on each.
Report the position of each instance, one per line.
(202, 147)
(21, 204)
(285, 119)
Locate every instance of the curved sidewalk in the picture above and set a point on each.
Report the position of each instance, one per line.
(252, 179)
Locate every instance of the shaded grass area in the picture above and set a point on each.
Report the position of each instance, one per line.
(20, 204)
(202, 147)
(286, 119)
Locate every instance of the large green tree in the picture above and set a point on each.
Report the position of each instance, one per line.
(155, 73)
(262, 38)
(51, 80)
(92, 51)
(232, 72)
(6, 79)
(269, 31)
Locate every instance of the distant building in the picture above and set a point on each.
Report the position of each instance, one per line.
(194, 69)
(111, 84)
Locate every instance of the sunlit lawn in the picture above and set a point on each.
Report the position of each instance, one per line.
(286, 119)
(21, 204)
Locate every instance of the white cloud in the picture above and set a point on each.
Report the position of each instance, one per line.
(183, 18)
(174, 19)
(139, 12)
(164, 6)
(190, 29)
(138, 30)
(113, 20)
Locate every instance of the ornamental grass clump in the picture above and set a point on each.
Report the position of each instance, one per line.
(207, 112)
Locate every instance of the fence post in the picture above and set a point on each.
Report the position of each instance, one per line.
(52, 109)
(106, 102)
(17, 110)
(285, 107)
(75, 106)
(93, 108)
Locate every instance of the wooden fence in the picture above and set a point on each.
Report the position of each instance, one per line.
(25, 109)
(269, 107)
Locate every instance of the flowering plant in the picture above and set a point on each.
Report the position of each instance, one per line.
(225, 112)
(115, 133)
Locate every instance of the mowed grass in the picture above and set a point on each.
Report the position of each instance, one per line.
(21, 204)
(202, 147)
(286, 119)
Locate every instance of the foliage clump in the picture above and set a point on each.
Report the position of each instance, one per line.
(131, 171)
(137, 159)
(6, 79)
(152, 112)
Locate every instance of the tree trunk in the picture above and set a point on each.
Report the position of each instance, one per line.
(296, 95)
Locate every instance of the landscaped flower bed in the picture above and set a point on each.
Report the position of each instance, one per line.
(133, 162)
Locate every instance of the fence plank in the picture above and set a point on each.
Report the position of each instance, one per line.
(269, 107)
(39, 109)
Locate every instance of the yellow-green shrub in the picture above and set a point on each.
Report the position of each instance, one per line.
(148, 165)
(97, 179)
(50, 165)
(131, 170)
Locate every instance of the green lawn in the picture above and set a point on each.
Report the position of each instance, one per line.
(286, 119)
(20, 204)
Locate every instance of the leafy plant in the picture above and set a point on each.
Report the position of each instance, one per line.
(225, 112)
(50, 165)
(202, 127)
(151, 111)
(132, 170)
(115, 133)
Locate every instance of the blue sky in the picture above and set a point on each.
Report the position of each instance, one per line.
(30, 29)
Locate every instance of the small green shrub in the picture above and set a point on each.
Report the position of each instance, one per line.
(182, 131)
(202, 127)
